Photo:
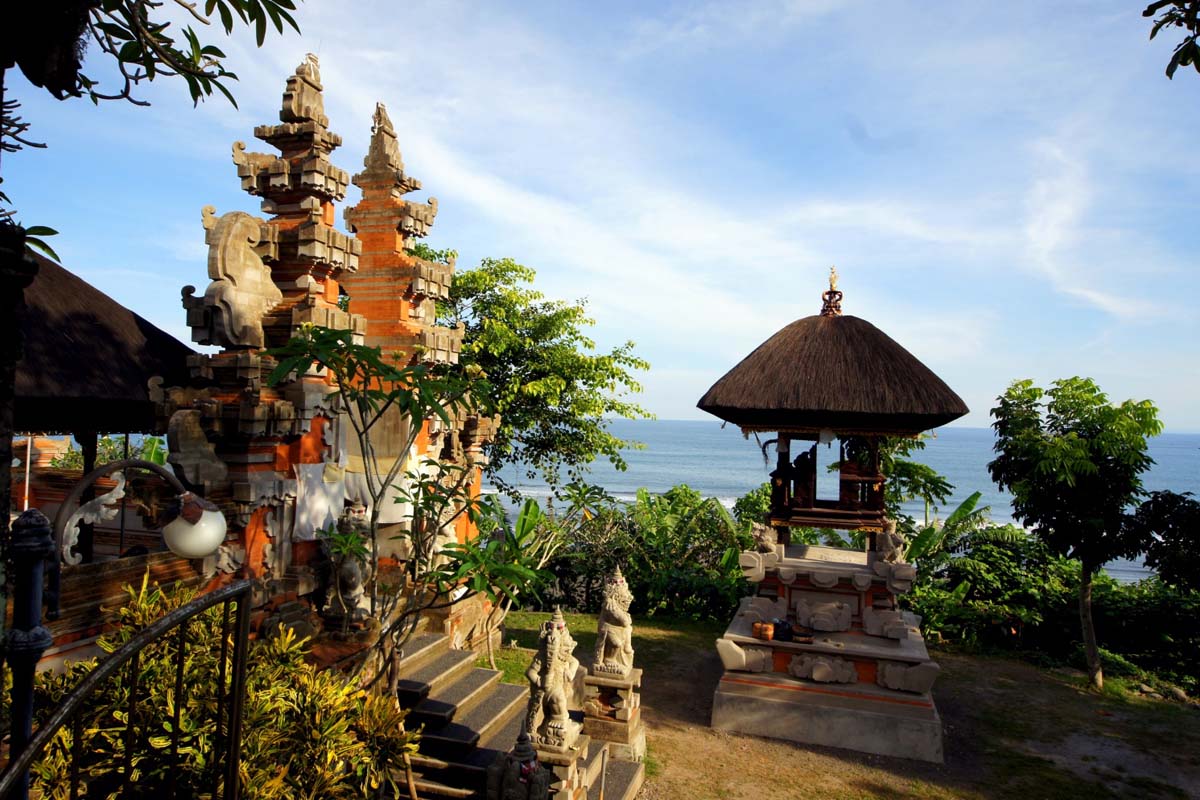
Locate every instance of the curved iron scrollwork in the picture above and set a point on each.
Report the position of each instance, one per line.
(66, 521)
(229, 711)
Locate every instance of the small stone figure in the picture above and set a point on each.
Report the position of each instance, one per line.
(614, 633)
(550, 675)
(889, 545)
(349, 575)
(518, 775)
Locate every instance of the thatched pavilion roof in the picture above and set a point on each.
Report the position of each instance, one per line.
(836, 372)
(87, 359)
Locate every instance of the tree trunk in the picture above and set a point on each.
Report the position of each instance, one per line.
(1090, 648)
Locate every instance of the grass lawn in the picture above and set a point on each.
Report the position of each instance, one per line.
(1012, 730)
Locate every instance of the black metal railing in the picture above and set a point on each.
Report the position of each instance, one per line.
(230, 699)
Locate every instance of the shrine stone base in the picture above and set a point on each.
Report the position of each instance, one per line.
(612, 712)
(858, 717)
(573, 770)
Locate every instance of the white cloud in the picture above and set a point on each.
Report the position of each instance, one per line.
(1058, 201)
(716, 24)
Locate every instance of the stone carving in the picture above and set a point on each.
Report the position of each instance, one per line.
(907, 677)
(551, 674)
(827, 616)
(190, 453)
(302, 98)
(823, 669)
(765, 537)
(614, 631)
(101, 509)
(899, 576)
(755, 565)
(228, 560)
(345, 604)
(759, 609)
(889, 545)
(888, 623)
(231, 311)
(383, 161)
(255, 163)
(744, 659)
(518, 775)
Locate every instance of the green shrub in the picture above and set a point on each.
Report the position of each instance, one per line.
(1017, 596)
(996, 593)
(678, 552)
(306, 733)
(1152, 625)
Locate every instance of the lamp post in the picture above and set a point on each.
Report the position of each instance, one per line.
(196, 530)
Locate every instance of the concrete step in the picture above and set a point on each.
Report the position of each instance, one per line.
(440, 671)
(431, 788)
(456, 740)
(622, 781)
(454, 700)
(595, 762)
(470, 770)
(421, 649)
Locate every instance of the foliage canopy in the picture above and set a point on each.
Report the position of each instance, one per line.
(1073, 462)
(1183, 14)
(551, 387)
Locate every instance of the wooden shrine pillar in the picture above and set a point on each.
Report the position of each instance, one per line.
(781, 486)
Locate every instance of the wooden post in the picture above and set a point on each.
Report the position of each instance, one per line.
(17, 270)
(783, 472)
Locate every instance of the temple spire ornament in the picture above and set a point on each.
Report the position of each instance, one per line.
(832, 305)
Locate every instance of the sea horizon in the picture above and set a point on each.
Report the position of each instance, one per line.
(714, 459)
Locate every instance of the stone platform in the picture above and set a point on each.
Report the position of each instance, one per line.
(854, 674)
(874, 719)
(613, 713)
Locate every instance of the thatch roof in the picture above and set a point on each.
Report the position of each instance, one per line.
(87, 359)
(835, 372)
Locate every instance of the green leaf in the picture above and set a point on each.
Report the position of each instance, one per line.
(40, 230)
(130, 52)
(33, 243)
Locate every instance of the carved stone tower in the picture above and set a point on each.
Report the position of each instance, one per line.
(396, 292)
(249, 446)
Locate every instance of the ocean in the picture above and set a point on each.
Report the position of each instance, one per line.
(718, 462)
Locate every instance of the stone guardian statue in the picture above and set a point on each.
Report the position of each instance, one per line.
(614, 631)
(551, 675)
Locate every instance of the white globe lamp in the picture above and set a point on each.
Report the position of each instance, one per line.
(197, 531)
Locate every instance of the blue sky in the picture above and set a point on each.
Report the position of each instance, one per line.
(1007, 189)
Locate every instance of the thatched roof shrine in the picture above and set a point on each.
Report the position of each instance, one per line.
(87, 359)
(832, 372)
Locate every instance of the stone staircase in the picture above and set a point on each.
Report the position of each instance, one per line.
(468, 718)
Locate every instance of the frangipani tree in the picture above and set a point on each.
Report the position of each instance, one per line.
(369, 385)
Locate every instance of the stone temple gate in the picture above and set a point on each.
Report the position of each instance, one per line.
(279, 460)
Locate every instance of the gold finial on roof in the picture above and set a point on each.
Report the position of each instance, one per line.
(832, 306)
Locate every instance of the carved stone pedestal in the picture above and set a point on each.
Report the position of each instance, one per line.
(612, 712)
(573, 769)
